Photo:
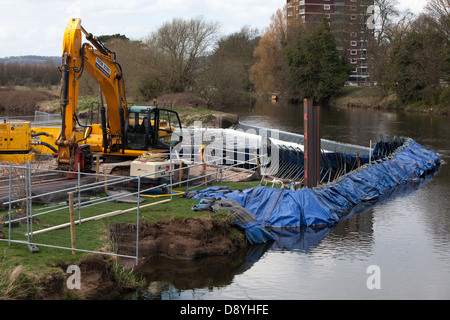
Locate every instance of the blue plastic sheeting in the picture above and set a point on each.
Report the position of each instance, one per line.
(255, 232)
(280, 208)
(305, 239)
(208, 192)
(325, 205)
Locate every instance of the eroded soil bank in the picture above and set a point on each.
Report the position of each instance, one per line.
(182, 239)
(187, 238)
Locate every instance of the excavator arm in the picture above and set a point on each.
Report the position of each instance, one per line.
(100, 63)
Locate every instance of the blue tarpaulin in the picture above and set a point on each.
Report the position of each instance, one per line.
(255, 232)
(325, 205)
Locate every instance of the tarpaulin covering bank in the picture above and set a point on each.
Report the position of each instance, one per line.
(326, 204)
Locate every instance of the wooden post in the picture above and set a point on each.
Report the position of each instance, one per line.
(257, 159)
(312, 143)
(180, 172)
(202, 159)
(72, 223)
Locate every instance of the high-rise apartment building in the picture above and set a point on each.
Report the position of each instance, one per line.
(350, 22)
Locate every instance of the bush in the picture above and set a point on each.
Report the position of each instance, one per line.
(444, 98)
(430, 96)
(151, 88)
(22, 100)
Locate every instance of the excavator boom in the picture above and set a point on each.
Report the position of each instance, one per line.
(100, 63)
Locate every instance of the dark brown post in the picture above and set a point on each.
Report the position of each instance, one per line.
(72, 222)
(312, 143)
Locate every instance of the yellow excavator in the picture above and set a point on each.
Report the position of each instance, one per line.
(125, 132)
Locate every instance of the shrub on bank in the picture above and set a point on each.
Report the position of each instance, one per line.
(25, 101)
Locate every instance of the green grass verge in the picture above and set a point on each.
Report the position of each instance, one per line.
(92, 235)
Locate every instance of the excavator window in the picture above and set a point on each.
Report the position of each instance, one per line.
(139, 132)
(148, 129)
(169, 130)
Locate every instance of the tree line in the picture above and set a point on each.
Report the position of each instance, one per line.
(30, 75)
(187, 55)
(190, 56)
(408, 55)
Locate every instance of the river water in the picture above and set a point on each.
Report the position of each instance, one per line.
(404, 236)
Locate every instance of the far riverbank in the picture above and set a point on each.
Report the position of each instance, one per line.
(376, 98)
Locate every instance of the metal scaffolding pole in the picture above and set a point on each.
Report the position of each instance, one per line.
(312, 143)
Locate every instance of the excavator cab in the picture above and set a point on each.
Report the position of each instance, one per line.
(150, 128)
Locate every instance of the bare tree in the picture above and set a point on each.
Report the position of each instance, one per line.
(418, 60)
(386, 12)
(137, 63)
(180, 44)
(440, 10)
(390, 24)
(225, 79)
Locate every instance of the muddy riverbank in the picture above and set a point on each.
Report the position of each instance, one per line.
(183, 239)
(176, 239)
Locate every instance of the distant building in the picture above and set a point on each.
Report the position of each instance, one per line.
(350, 22)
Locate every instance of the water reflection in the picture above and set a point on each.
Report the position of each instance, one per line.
(166, 278)
(354, 126)
(189, 274)
(302, 239)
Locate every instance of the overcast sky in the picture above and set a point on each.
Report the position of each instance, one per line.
(36, 27)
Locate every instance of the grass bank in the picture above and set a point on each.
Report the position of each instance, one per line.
(376, 98)
(26, 275)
